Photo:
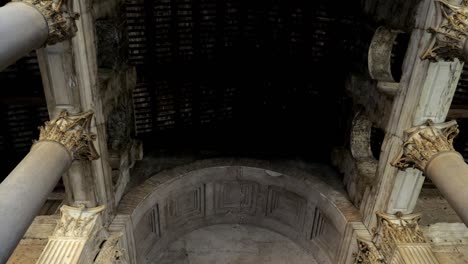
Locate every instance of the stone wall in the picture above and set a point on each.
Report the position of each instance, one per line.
(309, 207)
(234, 244)
(35, 240)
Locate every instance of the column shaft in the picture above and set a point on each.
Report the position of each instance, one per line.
(25, 190)
(449, 172)
(22, 29)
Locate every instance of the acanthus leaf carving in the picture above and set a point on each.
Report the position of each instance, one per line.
(423, 142)
(392, 233)
(73, 132)
(450, 36)
(61, 23)
(393, 230)
(77, 222)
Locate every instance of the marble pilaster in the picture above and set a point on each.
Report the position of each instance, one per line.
(76, 238)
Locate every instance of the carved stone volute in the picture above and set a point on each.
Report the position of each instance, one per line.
(423, 142)
(450, 37)
(77, 222)
(61, 22)
(397, 229)
(73, 132)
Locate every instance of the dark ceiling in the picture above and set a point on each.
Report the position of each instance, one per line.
(237, 77)
(244, 76)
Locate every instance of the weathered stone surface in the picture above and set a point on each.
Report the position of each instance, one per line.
(417, 90)
(34, 241)
(28, 251)
(111, 43)
(449, 242)
(357, 163)
(377, 104)
(435, 208)
(234, 244)
(310, 207)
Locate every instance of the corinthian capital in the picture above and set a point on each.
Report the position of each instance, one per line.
(73, 132)
(78, 222)
(423, 142)
(61, 22)
(450, 37)
(394, 230)
(397, 239)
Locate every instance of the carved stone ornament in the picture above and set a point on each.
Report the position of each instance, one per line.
(77, 238)
(450, 37)
(425, 141)
(77, 222)
(368, 253)
(396, 229)
(73, 132)
(397, 240)
(61, 22)
(111, 252)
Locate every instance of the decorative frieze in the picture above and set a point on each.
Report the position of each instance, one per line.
(451, 35)
(61, 22)
(73, 132)
(423, 142)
